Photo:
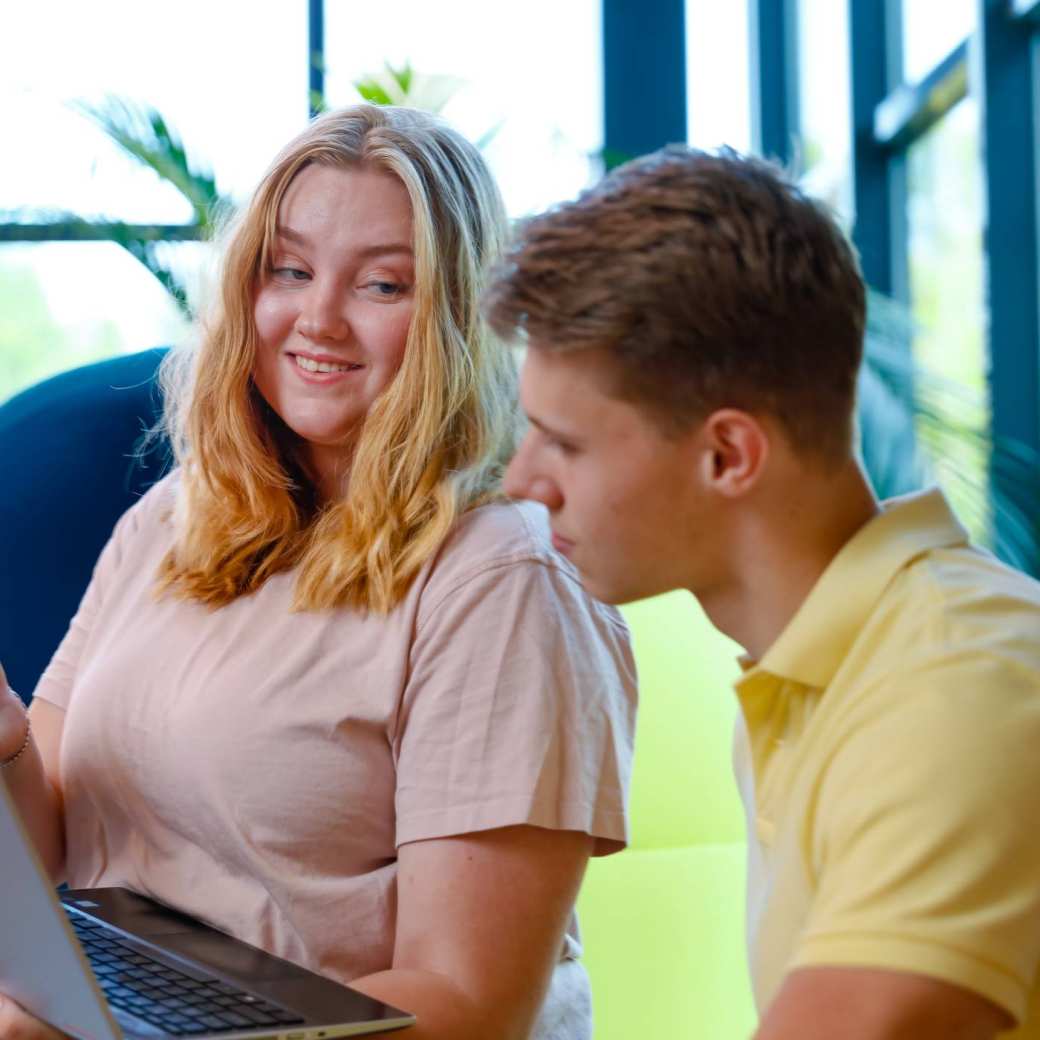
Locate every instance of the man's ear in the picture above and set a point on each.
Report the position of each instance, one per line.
(734, 448)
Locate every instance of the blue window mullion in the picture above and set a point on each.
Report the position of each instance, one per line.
(644, 77)
(775, 107)
(315, 56)
(879, 175)
(1008, 55)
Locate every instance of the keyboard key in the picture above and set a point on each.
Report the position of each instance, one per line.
(209, 1007)
(235, 1018)
(216, 1023)
(254, 1015)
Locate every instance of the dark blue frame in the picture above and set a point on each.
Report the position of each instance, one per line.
(644, 77)
(912, 109)
(315, 56)
(775, 87)
(879, 175)
(1008, 51)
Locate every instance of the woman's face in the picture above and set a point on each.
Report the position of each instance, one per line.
(333, 311)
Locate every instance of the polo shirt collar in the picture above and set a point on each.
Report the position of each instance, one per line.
(819, 636)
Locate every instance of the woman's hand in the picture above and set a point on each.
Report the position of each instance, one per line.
(18, 1024)
(33, 781)
(12, 721)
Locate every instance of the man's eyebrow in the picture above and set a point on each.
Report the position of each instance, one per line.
(551, 431)
(376, 249)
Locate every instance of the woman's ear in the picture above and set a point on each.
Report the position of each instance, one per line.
(734, 452)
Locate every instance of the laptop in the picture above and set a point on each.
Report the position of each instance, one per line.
(108, 964)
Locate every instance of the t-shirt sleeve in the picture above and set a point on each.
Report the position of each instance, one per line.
(925, 844)
(519, 709)
(55, 685)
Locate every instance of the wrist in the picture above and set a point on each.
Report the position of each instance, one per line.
(16, 740)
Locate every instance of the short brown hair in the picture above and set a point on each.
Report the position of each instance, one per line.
(711, 281)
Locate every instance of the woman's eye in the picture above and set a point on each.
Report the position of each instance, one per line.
(290, 274)
(389, 290)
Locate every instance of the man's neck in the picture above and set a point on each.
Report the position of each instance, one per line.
(779, 551)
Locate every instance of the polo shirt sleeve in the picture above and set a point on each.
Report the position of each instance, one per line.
(924, 845)
(519, 709)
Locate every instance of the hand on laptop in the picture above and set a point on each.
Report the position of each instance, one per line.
(16, 1024)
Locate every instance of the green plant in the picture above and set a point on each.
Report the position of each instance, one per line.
(143, 134)
(919, 427)
(405, 86)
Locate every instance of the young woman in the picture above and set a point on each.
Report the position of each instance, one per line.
(328, 691)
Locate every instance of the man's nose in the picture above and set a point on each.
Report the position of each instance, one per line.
(515, 481)
(522, 479)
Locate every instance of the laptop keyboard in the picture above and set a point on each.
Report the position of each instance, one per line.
(167, 998)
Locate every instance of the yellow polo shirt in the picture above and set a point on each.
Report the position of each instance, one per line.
(888, 755)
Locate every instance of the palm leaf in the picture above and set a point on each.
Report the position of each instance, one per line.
(144, 134)
(405, 86)
(918, 427)
(147, 254)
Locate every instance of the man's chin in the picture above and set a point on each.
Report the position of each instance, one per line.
(617, 594)
(606, 592)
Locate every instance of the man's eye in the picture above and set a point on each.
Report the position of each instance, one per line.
(563, 447)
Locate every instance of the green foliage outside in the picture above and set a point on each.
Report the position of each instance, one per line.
(32, 344)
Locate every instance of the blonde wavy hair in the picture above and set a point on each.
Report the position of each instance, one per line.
(432, 446)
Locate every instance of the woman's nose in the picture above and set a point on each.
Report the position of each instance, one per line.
(323, 316)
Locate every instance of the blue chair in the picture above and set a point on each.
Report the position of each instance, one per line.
(72, 460)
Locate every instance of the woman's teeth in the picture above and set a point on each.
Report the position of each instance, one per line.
(310, 365)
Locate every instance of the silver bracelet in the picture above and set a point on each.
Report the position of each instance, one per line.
(5, 763)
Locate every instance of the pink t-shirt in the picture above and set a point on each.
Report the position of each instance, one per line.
(258, 768)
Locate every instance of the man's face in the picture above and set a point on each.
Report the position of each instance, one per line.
(622, 497)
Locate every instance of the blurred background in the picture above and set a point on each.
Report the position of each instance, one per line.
(128, 124)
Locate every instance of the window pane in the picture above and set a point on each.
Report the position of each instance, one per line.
(931, 31)
(718, 103)
(534, 72)
(232, 99)
(825, 103)
(946, 281)
(66, 303)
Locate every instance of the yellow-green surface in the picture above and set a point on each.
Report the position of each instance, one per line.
(682, 782)
(664, 944)
(663, 922)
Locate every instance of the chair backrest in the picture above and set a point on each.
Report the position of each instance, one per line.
(72, 460)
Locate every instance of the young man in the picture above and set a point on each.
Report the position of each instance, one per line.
(694, 328)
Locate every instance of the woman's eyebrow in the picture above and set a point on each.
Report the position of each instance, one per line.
(283, 231)
(375, 249)
(383, 249)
